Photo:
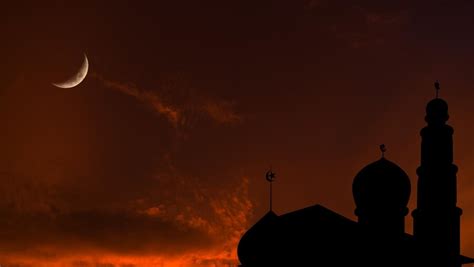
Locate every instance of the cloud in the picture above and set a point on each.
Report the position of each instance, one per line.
(220, 112)
(200, 227)
(364, 24)
(112, 260)
(313, 4)
(178, 103)
(123, 209)
(150, 98)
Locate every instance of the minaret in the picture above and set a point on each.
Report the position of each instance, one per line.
(437, 218)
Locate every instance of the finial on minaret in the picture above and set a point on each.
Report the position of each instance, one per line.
(437, 87)
(383, 148)
(270, 176)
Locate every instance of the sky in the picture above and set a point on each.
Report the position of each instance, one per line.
(158, 157)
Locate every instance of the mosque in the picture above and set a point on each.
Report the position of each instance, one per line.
(318, 236)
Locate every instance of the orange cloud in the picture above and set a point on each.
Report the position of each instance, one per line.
(202, 233)
(220, 112)
(183, 112)
(104, 259)
(149, 97)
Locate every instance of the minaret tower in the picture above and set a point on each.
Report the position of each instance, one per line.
(437, 218)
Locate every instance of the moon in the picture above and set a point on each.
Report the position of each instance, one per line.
(76, 79)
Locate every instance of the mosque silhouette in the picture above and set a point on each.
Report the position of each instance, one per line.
(317, 236)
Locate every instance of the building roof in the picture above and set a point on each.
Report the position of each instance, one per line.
(316, 232)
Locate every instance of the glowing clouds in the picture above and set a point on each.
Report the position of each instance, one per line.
(183, 111)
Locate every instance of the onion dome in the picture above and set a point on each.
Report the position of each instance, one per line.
(437, 111)
(381, 187)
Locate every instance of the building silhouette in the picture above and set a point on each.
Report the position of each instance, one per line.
(317, 236)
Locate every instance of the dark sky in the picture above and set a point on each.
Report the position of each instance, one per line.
(158, 157)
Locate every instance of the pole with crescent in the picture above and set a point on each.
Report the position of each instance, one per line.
(270, 176)
(383, 148)
(437, 87)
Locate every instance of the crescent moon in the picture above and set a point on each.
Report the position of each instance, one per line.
(270, 176)
(76, 79)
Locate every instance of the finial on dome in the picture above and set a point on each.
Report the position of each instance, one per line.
(437, 87)
(437, 109)
(383, 148)
(270, 176)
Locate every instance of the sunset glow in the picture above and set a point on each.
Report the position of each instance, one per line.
(158, 157)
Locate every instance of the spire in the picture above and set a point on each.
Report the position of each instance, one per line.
(437, 87)
(270, 176)
(383, 148)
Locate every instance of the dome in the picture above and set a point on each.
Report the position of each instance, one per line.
(437, 111)
(381, 187)
(254, 244)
